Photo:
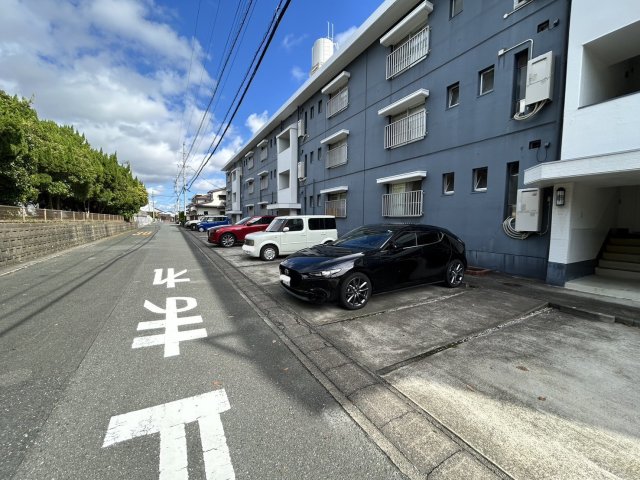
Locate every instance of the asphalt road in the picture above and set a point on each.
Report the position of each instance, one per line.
(108, 369)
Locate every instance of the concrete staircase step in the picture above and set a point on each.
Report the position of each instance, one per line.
(610, 287)
(621, 257)
(632, 241)
(621, 274)
(629, 266)
(629, 249)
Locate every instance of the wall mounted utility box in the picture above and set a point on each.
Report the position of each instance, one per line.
(539, 79)
(528, 210)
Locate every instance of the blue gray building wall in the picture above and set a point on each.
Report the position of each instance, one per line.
(479, 132)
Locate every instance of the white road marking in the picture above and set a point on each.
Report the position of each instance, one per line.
(169, 420)
(172, 336)
(170, 279)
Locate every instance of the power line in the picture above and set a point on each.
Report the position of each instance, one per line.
(280, 11)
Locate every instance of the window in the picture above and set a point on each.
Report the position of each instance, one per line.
(521, 60)
(485, 80)
(336, 204)
(448, 183)
(337, 151)
(312, 111)
(250, 163)
(319, 107)
(311, 156)
(338, 91)
(318, 199)
(295, 224)
(406, 240)
(322, 223)
(264, 182)
(403, 200)
(408, 119)
(456, 7)
(310, 201)
(428, 237)
(453, 95)
(319, 153)
(480, 179)
(513, 169)
(250, 186)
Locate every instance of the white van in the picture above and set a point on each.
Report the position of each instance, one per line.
(286, 235)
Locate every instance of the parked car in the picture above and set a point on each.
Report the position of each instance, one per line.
(372, 259)
(205, 224)
(289, 234)
(191, 223)
(229, 235)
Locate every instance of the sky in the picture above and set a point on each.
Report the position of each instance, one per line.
(136, 76)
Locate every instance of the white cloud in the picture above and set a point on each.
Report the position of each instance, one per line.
(343, 37)
(114, 70)
(255, 121)
(298, 74)
(290, 41)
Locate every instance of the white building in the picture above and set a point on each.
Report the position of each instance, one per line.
(597, 179)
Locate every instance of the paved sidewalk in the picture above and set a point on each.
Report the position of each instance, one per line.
(506, 378)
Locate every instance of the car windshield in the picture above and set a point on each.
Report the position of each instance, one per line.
(276, 225)
(243, 221)
(364, 238)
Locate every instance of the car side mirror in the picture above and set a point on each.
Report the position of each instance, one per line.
(285, 229)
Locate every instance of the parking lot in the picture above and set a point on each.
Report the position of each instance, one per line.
(538, 392)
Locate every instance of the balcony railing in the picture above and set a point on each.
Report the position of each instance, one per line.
(337, 208)
(337, 156)
(263, 154)
(338, 102)
(409, 53)
(406, 130)
(407, 204)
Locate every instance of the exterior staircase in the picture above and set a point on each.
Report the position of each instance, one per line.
(618, 272)
(621, 258)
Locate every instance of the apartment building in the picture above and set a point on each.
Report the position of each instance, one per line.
(431, 114)
(211, 203)
(596, 180)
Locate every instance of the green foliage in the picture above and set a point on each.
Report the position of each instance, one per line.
(41, 161)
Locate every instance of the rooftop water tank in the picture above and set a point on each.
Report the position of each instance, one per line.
(320, 53)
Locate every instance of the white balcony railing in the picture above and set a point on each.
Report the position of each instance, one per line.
(406, 130)
(409, 53)
(337, 208)
(338, 102)
(263, 154)
(337, 156)
(407, 204)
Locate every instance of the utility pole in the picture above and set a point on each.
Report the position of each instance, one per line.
(153, 207)
(184, 187)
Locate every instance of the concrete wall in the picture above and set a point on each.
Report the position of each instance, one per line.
(590, 45)
(21, 242)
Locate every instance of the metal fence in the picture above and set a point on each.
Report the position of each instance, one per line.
(407, 204)
(33, 214)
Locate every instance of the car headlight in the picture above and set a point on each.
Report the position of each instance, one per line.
(325, 273)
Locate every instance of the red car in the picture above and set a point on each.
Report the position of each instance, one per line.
(229, 235)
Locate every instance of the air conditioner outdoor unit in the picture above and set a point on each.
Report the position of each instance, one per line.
(301, 172)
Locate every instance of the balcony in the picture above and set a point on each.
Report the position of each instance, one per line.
(337, 208)
(337, 156)
(406, 130)
(338, 102)
(409, 53)
(407, 204)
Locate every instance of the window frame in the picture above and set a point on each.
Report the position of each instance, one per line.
(455, 8)
(446, 184)
(481, 80)
(476, 178)
(454, 87)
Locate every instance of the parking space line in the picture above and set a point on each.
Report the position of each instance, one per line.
(535, 311)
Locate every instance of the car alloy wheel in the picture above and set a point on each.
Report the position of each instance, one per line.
(455, 273)
(227, 240)
(201, 229)
(268, 253)
(355, 291)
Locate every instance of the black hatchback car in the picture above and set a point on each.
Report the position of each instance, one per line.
(372, 259)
